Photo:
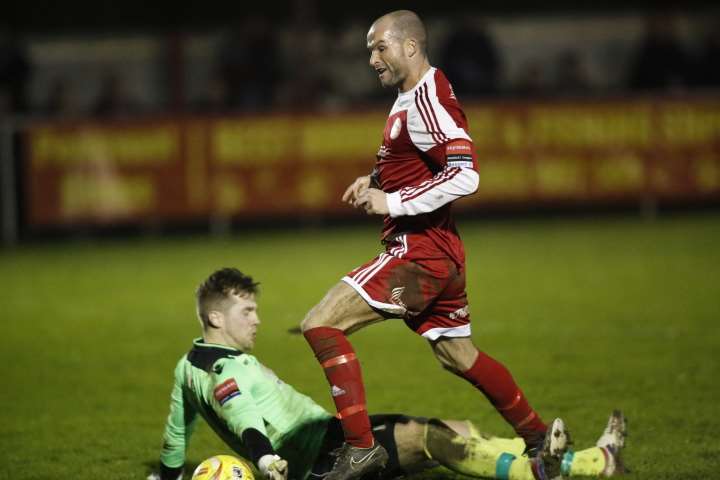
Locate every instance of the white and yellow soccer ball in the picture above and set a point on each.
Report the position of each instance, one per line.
(223, 467)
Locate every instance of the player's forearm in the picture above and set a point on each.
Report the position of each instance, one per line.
(263, 455)
(178, 430)
(257, 444)
(172, 456)
(448, 185)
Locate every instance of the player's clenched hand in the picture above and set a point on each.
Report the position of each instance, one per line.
(273, 467)
(374, 201)
(355, 189)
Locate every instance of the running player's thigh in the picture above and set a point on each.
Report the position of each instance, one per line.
(342, 308)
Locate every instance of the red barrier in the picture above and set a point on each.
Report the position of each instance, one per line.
(189, 168)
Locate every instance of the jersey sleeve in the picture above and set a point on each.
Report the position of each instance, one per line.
(438, 128)
(233, 400)
(179, 426)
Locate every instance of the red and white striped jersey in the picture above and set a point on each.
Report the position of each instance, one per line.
(426, 161)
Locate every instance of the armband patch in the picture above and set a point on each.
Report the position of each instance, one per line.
(226, 391)
(459, 151)
(460, 164)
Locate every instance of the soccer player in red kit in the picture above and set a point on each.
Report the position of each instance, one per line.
(425, 162)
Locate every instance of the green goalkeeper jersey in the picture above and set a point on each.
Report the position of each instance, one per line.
(233, 392)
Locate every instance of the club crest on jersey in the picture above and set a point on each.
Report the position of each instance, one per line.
(395, 129)
(226, 391)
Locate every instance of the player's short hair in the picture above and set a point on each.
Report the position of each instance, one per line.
(407, 24)
(215, 291)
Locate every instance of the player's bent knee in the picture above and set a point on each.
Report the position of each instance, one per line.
(451, 367)
(456, 355)
(449, 363)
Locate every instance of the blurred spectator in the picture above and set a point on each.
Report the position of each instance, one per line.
(470, 58)
(14, 74)
(707, 71)
(353, 82)
(571, 76)
(308, 84)
(661, 61)
(248, 63)
(531, 79)
(60, 100)
(216, 98)
(114, 99)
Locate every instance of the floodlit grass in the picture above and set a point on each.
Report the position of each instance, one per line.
(588, 315)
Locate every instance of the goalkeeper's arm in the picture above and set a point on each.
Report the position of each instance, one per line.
(178, 429)
(263, 455)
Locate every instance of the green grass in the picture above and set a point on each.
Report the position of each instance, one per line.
(588, 315)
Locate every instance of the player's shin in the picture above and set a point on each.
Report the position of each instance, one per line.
(476, 457)
(342, 370)
(495, 381)
(589, 462)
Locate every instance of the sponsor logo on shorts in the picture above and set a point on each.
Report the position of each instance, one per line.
(395, 295)
(337, 391)
(460, 313)
(226, 391)
(383, 152)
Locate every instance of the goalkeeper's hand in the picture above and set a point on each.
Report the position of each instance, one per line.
(273, 467)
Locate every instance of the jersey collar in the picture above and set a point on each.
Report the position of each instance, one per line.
(428, 74)
(204, 355)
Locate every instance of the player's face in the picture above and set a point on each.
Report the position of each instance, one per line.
(241, 322)
(387, 56)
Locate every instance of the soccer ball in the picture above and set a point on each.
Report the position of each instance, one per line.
(223, 467)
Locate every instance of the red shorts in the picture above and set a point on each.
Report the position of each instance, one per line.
(429, 294)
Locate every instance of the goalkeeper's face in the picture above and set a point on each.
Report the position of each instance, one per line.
(240, 322)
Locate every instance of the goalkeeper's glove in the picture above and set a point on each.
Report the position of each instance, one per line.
(273, 467)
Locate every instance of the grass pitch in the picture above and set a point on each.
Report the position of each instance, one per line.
(588, 315)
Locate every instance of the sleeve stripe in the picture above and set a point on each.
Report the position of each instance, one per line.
(432, 111)
(446, 176)
(424, 110)
(412, 189)
(422, 115)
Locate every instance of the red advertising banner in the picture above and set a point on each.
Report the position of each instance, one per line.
(280, 165)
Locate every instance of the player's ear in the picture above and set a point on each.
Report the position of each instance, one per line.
(215, 319)
(411, 47)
